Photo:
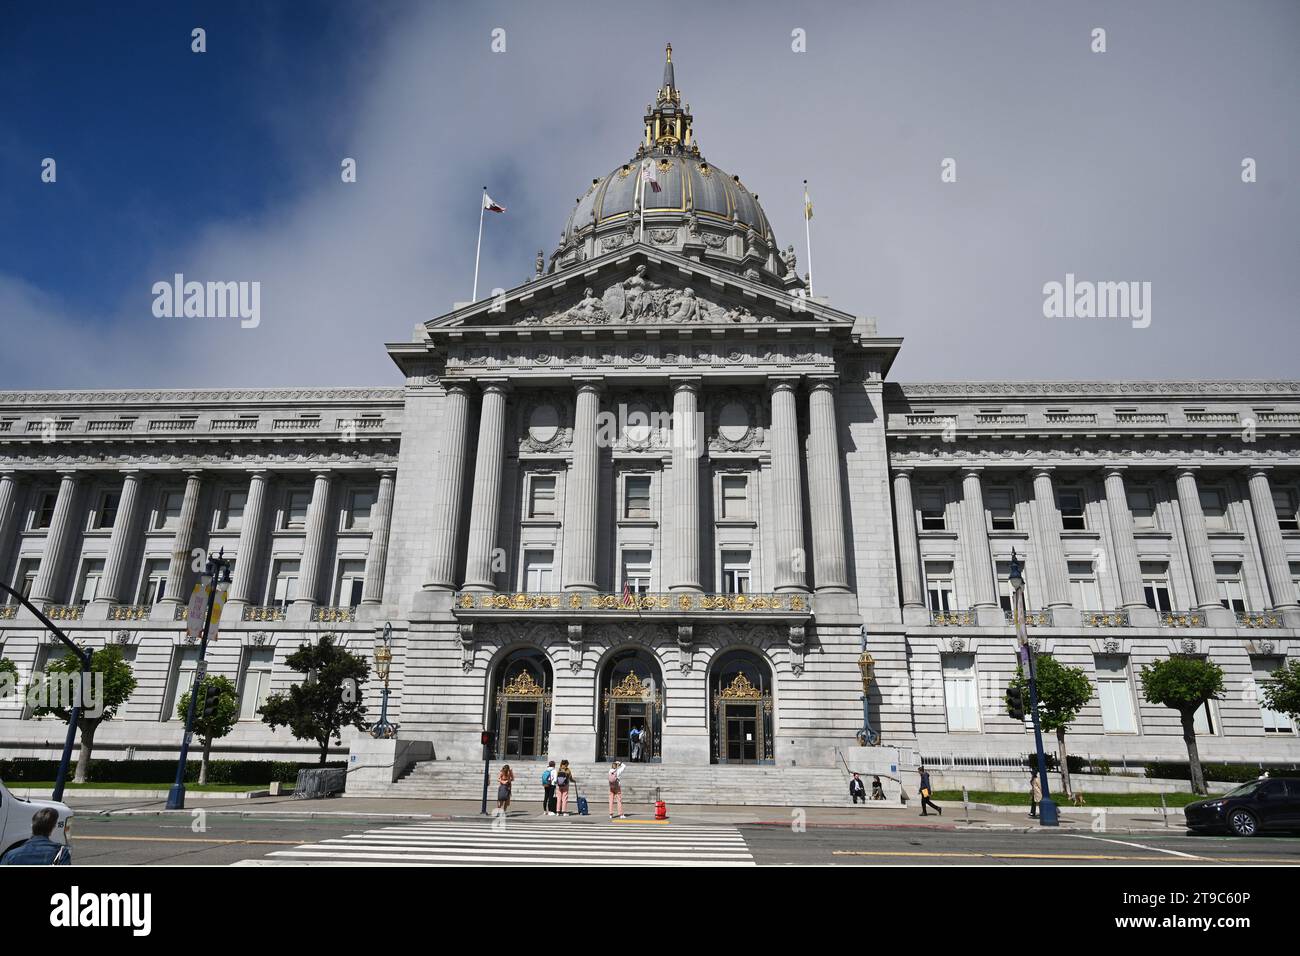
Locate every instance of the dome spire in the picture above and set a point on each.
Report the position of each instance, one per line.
(668, 68)
(667, 124)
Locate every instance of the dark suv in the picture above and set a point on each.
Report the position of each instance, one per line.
(1269, 803)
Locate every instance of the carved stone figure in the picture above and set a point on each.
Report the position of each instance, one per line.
(634, 294)
(791, 262)
(687, 308)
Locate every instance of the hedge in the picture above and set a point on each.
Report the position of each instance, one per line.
(1225, 772)
(241, 772)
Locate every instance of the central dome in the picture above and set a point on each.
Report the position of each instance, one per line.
(690, 206)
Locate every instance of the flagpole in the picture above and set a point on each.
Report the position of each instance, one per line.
(807, 231)
(482, 207)
(642, 178)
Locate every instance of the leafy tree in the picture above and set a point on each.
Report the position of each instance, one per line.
(1184, 684)
(1062, 693)
(328, 700)
(222, 720)
(98, 705)
(1281, 691)
(8, 677)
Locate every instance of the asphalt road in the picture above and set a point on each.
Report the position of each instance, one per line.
(224, 839)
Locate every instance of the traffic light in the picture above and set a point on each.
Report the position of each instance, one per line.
(1016, 701)
(211, 699)
(489, 743)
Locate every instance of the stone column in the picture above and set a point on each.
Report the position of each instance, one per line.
(119, 541)
(1123, 545)
(445, 529)
(8, 519)
(1053, 573)
(686, 485)
(249, 549)
(826, 497)
(1198, 541)
(1277, 569)
(46, 587)
(581, 492)
(381, 519)
(909, 551)
(182, 542)
(313, 543)
(787, 490)
(975, 531)
(486, 506)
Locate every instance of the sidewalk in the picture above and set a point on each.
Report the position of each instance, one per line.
(370, 809)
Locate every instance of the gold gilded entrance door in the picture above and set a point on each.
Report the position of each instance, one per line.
(523, 717)
(631, 705)
(742, 723)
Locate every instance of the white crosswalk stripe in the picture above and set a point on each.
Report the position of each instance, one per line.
(523, 843)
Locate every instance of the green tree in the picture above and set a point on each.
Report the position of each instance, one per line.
(1063, 691)
(1281, 691)
(328, 699)
(110, 687)
(222, 720)
(1184, 684)
(8, 678)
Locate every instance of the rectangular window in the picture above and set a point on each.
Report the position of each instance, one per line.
(735, 572)
(44, 513)
(1274, 722)
(1203, 721)
(1115, 694)
(735, 497)
(284, 584)
(360, 503)
(1155, 585)
(1083, 586)
(959, 691)
(636, 571)
(88, 587)
(1141, 502)
(256, 685)
(541, 496)
(1002, 509)
(938, 586)
(539, 571)
(1284, 503)
(1070, 503)
(351, 584)
(25, 578)
(296, 504)
(184, 662)
(106, 513)
(1214, 505)
(636, 501)
(231, 517)
(153, 582)
(169, 510)
(1231, 593)
(933, 505)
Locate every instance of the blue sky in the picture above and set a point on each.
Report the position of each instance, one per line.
(225, 165)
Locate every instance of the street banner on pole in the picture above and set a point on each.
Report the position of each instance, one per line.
(198, 609)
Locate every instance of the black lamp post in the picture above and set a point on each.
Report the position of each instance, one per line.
(1047, 812)
(867, 736)
(383, 730)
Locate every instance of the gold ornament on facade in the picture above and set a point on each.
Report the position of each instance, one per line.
(867, 665)
(523, 687)
(741, 689)
(630, 687)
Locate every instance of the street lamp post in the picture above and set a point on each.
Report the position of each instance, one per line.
(215, 576)
(383, 730)
(867, 736)
(1047, 812)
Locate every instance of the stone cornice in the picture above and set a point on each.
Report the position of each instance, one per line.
(923, 451)
(213, 396)
(1134, 390)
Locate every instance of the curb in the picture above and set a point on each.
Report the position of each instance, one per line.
(144, 795)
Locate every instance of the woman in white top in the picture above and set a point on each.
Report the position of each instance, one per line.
(616, 789)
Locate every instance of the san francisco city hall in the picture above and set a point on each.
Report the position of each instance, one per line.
(660, 486)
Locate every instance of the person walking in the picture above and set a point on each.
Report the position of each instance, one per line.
(40, 850)
(548, 790)
(857, 790)
(616, 790)
(505, 780)
(563, 777)
(1035, 795)
(926, 793)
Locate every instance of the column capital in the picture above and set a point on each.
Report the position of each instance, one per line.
(322, 472)
(784, 383)
(971, 470)
(1045, 471)
(595, 384)
(1261, 470)
(694, 383)
(501, 385)
(823, 383)
(903, 471)
(1109, 470)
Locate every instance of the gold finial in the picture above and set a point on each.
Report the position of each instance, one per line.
(668, 51)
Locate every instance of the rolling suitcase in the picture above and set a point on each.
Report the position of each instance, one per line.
(582, 805)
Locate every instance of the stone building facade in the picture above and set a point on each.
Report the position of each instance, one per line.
(661, 487)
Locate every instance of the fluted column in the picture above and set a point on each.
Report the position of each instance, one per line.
(313, 544)
(62, 524)
(909, 551)
(975, 530)
(1277, 569)
(250, 544)
(581, 491)
(1198, 541)
(182, 542)
(119, 541)
(787, 489)
(686, 486)
(447, 488)
(825, 494)
(8, 518)
(381, 519)
(1051, 555)
(1123, 545)
(486, 505)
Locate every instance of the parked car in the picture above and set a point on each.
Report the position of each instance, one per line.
(1269, 803)
(16, 819)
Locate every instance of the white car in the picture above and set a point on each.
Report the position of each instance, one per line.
(16, 819)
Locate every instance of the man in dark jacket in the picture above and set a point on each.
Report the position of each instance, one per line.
(40, 850)
(856, 789)
(926, 793)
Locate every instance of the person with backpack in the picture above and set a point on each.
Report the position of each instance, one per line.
(634, 744)
(926, 792)
(548, 790)
(616, 790)
(563, 778)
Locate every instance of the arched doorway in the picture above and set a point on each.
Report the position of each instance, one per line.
(521, 704)
(632, 699)
(740, 686)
